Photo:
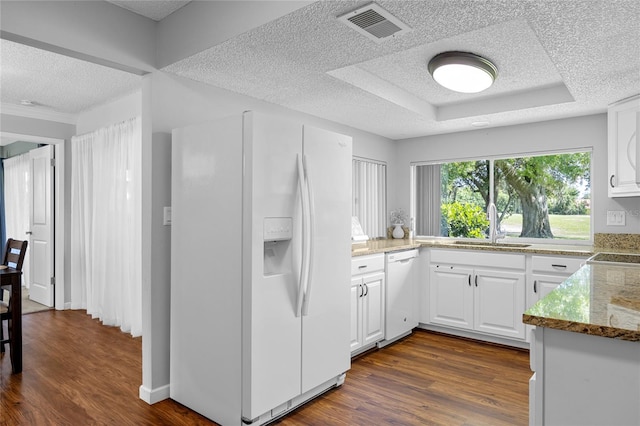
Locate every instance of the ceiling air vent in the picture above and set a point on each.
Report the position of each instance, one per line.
(374, 22)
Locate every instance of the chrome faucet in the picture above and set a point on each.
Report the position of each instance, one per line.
(494, 232)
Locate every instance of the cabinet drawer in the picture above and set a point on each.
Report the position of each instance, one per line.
(486, 259)
(366, 264)
(556, 264)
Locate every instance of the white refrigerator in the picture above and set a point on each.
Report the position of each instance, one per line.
(260, 266)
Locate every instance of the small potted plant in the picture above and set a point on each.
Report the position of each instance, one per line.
(398, 220)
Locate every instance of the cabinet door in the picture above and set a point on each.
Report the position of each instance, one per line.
(451, 296)
(545, 284)
(499, 302)
(624, 153)
(356, 313)
(373, 308)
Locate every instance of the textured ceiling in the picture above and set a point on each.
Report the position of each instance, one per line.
(58, 83)
(555, 59)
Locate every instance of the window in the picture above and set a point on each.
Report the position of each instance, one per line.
(370, 196)
(535, 197)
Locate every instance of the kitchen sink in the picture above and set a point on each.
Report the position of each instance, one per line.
(490, 244)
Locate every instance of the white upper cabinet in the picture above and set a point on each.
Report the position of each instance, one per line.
(624, 153)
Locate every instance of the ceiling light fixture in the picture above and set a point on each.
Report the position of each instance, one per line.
(462, 72)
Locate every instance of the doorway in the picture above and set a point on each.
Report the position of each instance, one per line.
(43, 270)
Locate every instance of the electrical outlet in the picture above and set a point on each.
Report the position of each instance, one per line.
(616, 218)
(166, 216)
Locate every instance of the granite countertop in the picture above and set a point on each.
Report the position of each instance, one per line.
(388, 245)
(599, 299)
(383, 246)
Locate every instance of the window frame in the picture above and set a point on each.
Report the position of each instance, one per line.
(492, 159)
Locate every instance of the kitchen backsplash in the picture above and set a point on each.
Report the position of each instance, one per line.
(617, 241)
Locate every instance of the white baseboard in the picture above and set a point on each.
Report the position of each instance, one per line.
(151, 396)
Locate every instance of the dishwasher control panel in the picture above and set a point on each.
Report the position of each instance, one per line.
(402, 255)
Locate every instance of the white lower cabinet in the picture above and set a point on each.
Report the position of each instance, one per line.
(479, 295)
(548, 272)
(451, 296)
(545, 284)
(367, 302)
(499, 301)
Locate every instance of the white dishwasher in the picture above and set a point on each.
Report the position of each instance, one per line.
(401, 295)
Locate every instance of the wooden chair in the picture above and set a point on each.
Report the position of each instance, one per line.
(13, 257)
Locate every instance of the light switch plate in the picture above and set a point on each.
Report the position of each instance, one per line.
(616, 218)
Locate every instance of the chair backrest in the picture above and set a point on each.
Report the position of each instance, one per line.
(14, 254)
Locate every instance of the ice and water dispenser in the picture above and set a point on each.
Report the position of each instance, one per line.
(277, 235)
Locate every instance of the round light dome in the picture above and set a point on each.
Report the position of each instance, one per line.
(462, 72)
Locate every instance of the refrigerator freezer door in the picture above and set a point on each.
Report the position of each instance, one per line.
(271, 330)
(325, 327)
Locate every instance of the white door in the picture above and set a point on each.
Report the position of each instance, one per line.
(451, 296)
(373, 312)
(499, 302)
(41, 226)
(545, 284)
(325, 327)
(624, 151)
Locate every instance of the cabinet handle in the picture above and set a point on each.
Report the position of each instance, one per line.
(476, 280)
(535, 286)
(361, 290)
(362, 266)
(611, 181)
(366, 287)
(469, 280)
(559, 266)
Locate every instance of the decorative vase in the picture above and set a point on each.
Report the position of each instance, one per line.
(398, 232)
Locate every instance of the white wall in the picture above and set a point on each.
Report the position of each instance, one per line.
(566, 134)
(113, 112)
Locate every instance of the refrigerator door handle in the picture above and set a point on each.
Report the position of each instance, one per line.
(303, 261)
(310, 236)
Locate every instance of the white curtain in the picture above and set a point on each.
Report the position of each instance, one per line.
(106, 271)
(17, 181)
(428, 214)
(370, 196)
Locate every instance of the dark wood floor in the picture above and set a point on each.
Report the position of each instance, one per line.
(77, 371)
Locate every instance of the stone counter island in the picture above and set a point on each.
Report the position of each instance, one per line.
(585, 351)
